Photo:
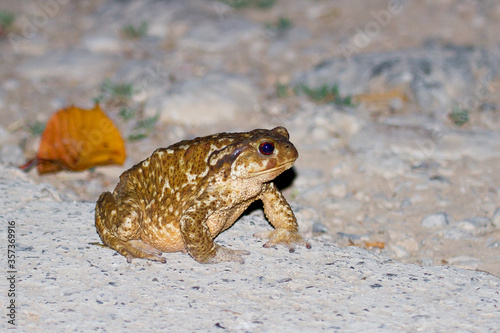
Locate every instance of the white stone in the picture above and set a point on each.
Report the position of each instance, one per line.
(438, 77)
(206, 100)
(466, 225)
(479, 222)
(102, 43)
(466, 262)
(399, 251)
(315, 193)
(402, 240)
(112, 18)
(4, 135)
(456, 233)
(324, 127)
(33, 46)
(215, 36)
(410, 244)
(435, 220)
(11, 155)
(307, 218)
(338, 189)
(427, 262)
(385, 164)
(496, 218)
(74, 66)
(476, 144)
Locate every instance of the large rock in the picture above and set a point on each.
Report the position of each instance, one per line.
(477, 144)
(393, 149)
(325, 127)
(439, 77)
(76, 65)
(216, 36)
(437, 220)
(113, 16)
(206, 100)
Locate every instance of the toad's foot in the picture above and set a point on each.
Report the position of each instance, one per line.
(137, 249)
(224, 254)
(283, 236)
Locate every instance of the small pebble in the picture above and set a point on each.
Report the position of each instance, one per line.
(405, 203)
(464, 262)
(496, 218)
(479, 222)
(399, 251)
(338, 189)
(319, 228)
(4, 135)
(456, 233)
(436, 220)
(11, 155)
(427, 262)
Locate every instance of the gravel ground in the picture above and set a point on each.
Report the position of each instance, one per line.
(400, 149)
(67, 283)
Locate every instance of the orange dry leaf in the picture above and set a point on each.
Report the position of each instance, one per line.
(371, 245)
(381, 97)
(368, 244)
(77, 139)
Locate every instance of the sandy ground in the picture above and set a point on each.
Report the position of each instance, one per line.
(64, 282)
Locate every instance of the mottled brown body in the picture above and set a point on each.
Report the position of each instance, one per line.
(183, 196)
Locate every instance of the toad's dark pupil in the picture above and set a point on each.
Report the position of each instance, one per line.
(266, 148)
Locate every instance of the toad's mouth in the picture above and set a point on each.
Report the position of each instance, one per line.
(281, 168)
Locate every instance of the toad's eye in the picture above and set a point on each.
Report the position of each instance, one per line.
(266, 148)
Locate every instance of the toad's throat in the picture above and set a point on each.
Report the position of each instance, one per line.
(281, 167)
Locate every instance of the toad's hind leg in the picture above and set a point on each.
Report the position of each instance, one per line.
(119, 231)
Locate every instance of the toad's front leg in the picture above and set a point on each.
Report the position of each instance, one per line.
(199, 242)
(119, 226)
(282, 218)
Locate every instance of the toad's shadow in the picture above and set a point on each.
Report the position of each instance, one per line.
(282, 181)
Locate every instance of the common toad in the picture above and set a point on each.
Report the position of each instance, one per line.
(183, 196)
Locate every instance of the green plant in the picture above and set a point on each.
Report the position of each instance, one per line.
(144, 128)
(281, 90)
(36, 128)
(237, 4)
(137, 136)
(282, 25)
(326, 94)
(119, 96)
(6, 20)
(135, 31)
(459, 116)
(264, 4)
(127, 113)
(110, 90)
